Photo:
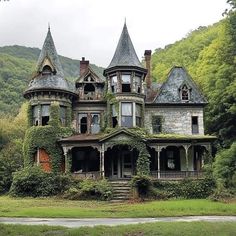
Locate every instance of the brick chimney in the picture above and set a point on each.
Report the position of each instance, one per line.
(83, 66)
(148, 79)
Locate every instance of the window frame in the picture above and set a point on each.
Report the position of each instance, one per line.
(126, 116)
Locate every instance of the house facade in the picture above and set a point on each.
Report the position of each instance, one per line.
(118, 112)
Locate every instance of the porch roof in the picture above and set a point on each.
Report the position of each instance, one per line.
(80, 138)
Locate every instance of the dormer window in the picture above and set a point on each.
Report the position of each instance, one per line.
(185, 93)
(126, 83)
(47, 70)
(89, 91)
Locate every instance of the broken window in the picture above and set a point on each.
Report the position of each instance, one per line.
(83, 123)
(47, 70)
(157, 124)
(138, 84)
(114, 84)
(126, 114)
(114, 116)
(63, 115)
(95, 123)
(126, 83)
(138, 115)
(45, 114)
(195, 129)
(89, 91)
(185, 93)
(36, 115)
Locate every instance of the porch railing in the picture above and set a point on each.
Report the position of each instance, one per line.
(87, 175)
(177, 174)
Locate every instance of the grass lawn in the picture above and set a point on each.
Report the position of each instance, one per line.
(161, 228)
(53, 207)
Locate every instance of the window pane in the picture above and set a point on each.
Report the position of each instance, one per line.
(127, 121)
(114, 112)
(126, 109)
(35, 111)
(157, 124)
(114, 80)
(138, 110)
(45, 110)
(125, 79)
(63, 112)
(95, 125)
(137, 81)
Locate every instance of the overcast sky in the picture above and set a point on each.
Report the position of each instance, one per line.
(91, 28)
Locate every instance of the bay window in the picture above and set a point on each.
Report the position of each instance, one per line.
(126, 83)
(114, 84)
(45, 114)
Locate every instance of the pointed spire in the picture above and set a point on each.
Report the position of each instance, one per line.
(125, 54)
(49, 52)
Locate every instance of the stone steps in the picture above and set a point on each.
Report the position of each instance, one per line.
(122, 190)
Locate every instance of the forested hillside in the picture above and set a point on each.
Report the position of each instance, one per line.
(209, 54)
(17, 63)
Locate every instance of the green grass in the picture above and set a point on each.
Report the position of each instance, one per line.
(53, 207)
(160, 228)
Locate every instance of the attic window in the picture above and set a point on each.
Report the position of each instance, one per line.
(185, 93)
(47, 70)
(89, 91)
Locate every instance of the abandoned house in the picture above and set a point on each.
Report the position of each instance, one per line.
(124, 100)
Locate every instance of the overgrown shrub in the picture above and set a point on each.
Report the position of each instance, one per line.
(90, 189)
(142, 183)
(34, 182)
(187, 188)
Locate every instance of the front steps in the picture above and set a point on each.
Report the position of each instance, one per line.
(121, 190)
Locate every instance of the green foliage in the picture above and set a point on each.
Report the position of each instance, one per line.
(225, 167)
(90, 189)
(12, 132)
(45, 137)
(34, 182)
(187, 188)
(142, 183)
(54, 114)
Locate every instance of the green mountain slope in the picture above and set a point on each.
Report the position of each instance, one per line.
(209, 54)
(17, 63)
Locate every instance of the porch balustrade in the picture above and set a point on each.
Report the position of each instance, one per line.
(176, 174)
(87, 175)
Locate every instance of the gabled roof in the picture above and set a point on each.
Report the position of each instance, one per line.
(122, 131)
(49, 52)
(90, 72)
(170, 90)
(125, 54)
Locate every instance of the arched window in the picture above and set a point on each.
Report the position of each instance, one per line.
(47, 70)
(185, 93)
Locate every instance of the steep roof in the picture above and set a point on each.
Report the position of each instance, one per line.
(54, 81)
(49, 52)
(125, 54)
(170, 90)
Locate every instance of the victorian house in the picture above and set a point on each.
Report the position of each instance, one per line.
(114, 108)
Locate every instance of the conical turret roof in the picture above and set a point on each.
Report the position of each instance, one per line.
(49, 51)
(125, 54)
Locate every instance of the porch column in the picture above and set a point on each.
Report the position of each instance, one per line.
(65, 151)
(102, 161)
(158, 162)
(186, 148)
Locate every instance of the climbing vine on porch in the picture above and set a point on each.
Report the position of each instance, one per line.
(143, 162)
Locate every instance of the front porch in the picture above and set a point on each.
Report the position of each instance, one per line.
(113, 157)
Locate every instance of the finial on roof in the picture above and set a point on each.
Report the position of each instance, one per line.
(48, 26)
(125, 20)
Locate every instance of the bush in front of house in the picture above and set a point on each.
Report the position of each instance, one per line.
(90, 189)
(142, 184)
(34, 182)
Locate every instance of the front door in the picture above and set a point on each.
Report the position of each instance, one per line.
(127, 165)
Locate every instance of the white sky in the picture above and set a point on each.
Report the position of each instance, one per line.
(92, 28)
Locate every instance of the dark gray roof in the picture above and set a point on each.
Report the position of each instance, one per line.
(125, 54)
(49, 50)
(50, 82)
(170, 90)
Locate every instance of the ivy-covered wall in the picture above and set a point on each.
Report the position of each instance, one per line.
(46, 137)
